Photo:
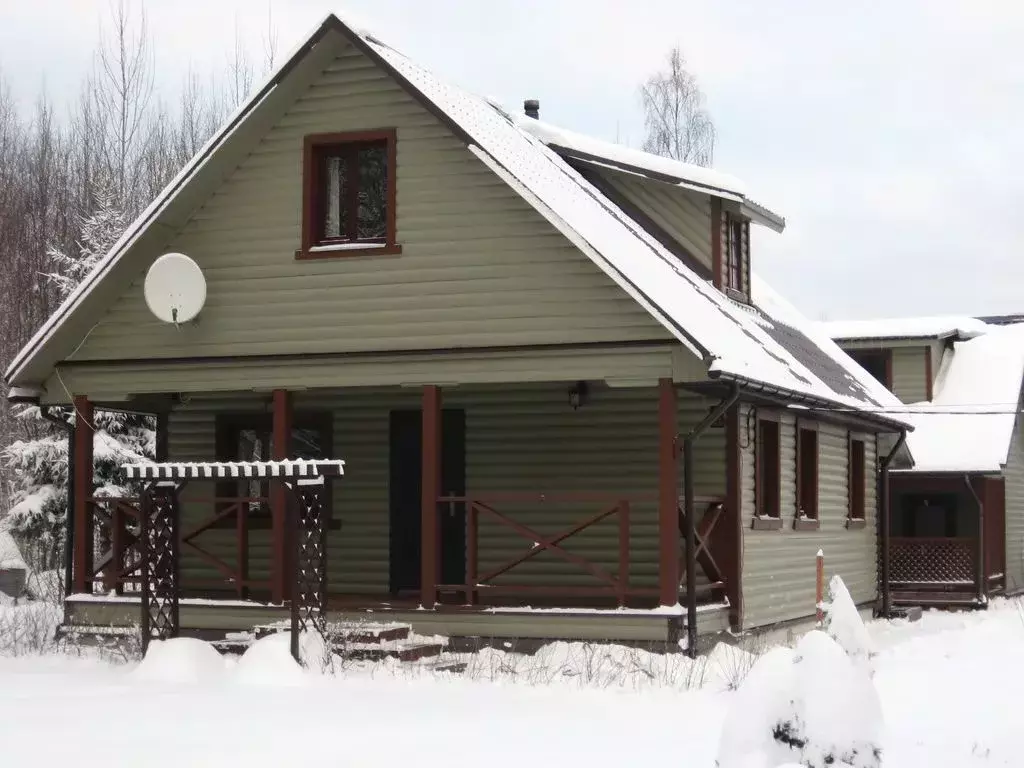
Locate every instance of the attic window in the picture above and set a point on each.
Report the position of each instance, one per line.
(349, 194)
(737, 247)
(877, 362)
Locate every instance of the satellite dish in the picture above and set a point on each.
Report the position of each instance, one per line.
(175, 288)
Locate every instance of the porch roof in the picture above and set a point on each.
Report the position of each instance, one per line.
(969, 424)
(781, 354)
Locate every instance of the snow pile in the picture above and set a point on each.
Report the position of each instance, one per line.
(269, 661)
(181, 660)
(844, 625)
(10, 555)
(813, 705)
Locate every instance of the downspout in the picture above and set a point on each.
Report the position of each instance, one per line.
(69, 517)
(885, 521)
(979, 568)
(688, 513)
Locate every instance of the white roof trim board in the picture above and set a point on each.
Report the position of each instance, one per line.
(736, 342)
(969, 424)
(939, 327)
(206, 470)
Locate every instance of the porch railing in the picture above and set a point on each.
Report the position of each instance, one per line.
(607, 583)
(609, 579)
(932, 561)
(116, 526)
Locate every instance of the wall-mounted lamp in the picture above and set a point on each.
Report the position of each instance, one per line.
(578, 394)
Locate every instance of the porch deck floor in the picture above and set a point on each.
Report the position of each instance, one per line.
(551, 623)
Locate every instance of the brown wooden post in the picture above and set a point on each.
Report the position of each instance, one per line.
(282, 429)
(728, 543)
(82, 474)
(623, 553)
(668, 496)
(431, 487)
(819, 587)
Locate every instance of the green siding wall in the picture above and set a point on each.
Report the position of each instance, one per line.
(779, 566)
(479, 267)
(522, 438)
(1014, 500)
(684, 215)
(909, 373)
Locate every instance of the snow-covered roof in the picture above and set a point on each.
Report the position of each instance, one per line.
(618, 155)
(736, 342)
(968, 425)
(939, 327)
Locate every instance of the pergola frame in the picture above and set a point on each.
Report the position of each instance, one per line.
(160, 536)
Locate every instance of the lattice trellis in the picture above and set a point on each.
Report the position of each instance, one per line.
(309, 534)
(938, 561)
(160, 562)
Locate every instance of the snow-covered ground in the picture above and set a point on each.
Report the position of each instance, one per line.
(949, 688)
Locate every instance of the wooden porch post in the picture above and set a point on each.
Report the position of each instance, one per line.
(431, 487)
(83, 488)
(668, 495)
(282, 429)
(729, 547)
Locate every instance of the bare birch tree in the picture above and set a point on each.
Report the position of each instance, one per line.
(124, 86)
(676, 119)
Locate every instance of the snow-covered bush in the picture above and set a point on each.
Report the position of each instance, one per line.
(815, 705)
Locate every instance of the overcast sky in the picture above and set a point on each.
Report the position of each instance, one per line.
(889, 134)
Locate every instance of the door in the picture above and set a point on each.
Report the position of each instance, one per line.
(405, 487)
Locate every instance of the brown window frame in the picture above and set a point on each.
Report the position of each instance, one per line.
(808, 455)
(857, 482)
(767, 449)
(227, 428)
(883, 355)
(316, 149)
(737, 239)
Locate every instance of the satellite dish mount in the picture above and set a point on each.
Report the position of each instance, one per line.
(175, 288)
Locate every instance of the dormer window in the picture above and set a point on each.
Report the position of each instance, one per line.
(349, 194)
(737, 248)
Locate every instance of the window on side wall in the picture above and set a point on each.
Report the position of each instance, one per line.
(768, 474)
(858, 483)
(736, 250)
(349, 188)
(807, 479)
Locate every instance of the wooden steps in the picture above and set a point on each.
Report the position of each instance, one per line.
(356, 641)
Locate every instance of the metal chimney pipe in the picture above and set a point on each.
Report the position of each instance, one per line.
(532, 108)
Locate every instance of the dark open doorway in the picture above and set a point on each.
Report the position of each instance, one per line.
(406, 447)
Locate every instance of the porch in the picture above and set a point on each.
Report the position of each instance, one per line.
(947, 539)
(543, 511)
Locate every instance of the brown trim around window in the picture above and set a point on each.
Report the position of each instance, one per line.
(857, 476)
(226, 430)
(716, 243)
(806, 517)
(768, 472)
(310, 247)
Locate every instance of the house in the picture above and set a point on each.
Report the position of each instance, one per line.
(544, 359)
(957, 513)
